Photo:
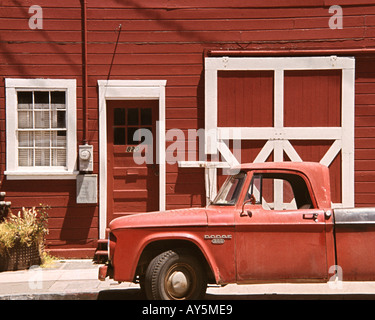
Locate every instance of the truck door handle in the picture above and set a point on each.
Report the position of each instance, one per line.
(312, 216)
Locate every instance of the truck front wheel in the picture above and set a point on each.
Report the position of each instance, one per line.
(175, 276)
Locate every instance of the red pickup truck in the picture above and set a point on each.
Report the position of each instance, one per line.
(270, 222)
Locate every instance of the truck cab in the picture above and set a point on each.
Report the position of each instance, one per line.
(280, 227)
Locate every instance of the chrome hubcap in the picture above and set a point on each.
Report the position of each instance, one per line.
(178, 284)
(179, 281)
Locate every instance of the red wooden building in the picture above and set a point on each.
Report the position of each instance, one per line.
(269, 80)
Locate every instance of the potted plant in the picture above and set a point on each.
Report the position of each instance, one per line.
(22, 238)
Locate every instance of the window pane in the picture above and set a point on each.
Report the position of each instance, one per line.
(25, 157)
(230, 190)
(25, 119)
(42, 139)
(267, 190)
(277, 195)
(58, 119)
(58, 139)
(41, 100)
(288, 195)
(119, 136)
(61, 119)
(41, 97)
(42, 157)
(42, 119)
(255, 189)
(146, 116)
(25, 139)
(25, 100)
(133, 117)
(58, 97)
(61, 157)
(130, 136)
(119, 117)
(58, 157)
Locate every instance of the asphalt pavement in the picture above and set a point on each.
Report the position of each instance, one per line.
(77, 279)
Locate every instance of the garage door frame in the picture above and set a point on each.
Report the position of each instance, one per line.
(277, 137)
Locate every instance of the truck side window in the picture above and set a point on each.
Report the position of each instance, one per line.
(230, 191)
(280, 191)
(277, 195)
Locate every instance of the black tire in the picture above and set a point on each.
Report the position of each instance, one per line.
(175, 276)
(142, 286)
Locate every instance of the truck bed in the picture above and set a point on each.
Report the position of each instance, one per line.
(354, 233)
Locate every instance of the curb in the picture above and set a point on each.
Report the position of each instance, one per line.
(52, 296)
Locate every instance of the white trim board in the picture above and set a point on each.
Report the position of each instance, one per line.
(13, 170)
(123, 90)
(276, 137)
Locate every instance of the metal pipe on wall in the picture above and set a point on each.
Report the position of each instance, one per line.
(84, 71)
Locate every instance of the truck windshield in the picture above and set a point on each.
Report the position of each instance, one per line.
(230, 190)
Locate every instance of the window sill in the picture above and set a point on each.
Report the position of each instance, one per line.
(58, 175)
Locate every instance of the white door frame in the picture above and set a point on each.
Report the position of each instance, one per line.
(129, 90)
(277, 137)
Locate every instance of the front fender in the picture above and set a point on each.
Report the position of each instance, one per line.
(127, 257)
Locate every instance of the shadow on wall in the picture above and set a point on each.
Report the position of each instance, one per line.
(69, 222)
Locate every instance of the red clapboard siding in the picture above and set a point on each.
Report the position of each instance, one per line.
(192, 24)
(44, 36)
(224, 13)
(166, 40)
(48, 24)
(364, 133)
(40, 59)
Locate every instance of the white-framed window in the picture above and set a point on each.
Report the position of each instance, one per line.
(41, 128)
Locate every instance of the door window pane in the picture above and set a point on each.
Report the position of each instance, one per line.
(136, 119)
(119, 136)
(131, 140)
(119, 117)
(133, 117)
(146, 116)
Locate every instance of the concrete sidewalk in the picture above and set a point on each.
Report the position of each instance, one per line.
(62, 280)
(78, 280)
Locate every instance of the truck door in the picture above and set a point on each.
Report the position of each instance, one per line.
(280, 235)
